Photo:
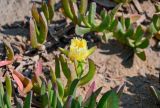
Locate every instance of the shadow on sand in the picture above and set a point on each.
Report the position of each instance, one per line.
(139, 95)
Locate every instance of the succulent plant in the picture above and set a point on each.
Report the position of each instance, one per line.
(49, 97)
(53, 93)
(39, 23)
(5, 97)
(78, 53)
(69, 8)
(107, 22)
(38, 34)
(154, 27)
(85, 20)
(47, 7)
(63, 92)
(134, 38)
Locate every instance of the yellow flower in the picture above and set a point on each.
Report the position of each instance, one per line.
(78, 50)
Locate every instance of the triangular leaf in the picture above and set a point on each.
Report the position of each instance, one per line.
(141, 55)
(109, 100)
(28, 100)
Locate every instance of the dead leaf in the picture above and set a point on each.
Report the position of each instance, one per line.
(24, 84)
(5, 62)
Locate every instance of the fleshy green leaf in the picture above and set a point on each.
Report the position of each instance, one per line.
(92, 14)
(138, 34)
(64, 51)
(7, 100)
(60, 88)
(44, 96)
(131, 42)
(43, 88)
(103, 14)
(104, 24)
(122, 20)
(89, 76)
(57, 67)
(75, 104)
(79, 68)
(113, 25)
(49, 86)
(73, 87)
(33, 34)
(141, 55)
(28, 101)
(53, 76)
(44, 8)
(43, 28)
(8, 86)
(91, 50)
(1, 95)
(54, 97)
(67, 9)
(45, 100)
(82, 30)
(129, 33)
(50, 98)
(73, 10)
(109, 100)
(51, 8)
(35, 13)
(158, 23)
(113, 12)
(144, 44)
(92, 102)
(152, 28)
(83, 7)
(65, 68)
(50, 92)
(127, 23)
(59, 105)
